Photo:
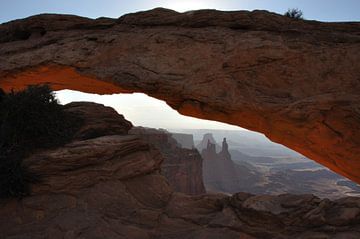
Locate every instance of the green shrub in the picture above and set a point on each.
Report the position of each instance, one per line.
(294, 13)
(30, 119)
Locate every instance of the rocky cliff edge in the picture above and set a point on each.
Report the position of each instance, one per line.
(109, 186)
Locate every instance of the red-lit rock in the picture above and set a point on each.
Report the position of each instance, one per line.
(295, 81)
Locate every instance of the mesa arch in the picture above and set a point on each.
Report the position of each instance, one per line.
(298, 82)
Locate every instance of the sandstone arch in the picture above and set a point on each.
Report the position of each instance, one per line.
(298, 82)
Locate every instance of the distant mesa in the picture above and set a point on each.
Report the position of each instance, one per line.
(185, 140)
(231, 169)
(220, 173)
(207, 138)
(210, 150)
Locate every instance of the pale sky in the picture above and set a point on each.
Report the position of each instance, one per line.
(324, 10)
(139, 108)
(143, 110)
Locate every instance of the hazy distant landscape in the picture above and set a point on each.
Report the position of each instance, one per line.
(260, 165)
(274, 168)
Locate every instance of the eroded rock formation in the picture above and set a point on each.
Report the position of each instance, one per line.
(224, 153)
(109, 186)
(221, 174)
(295, 81)
(98, 120)
(182, 167)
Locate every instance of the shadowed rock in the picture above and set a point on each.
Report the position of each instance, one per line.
(110, 187)
(182, 167)
(98, 120)
(295, 81)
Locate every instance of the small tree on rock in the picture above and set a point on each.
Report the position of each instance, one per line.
(294, 13)
(31, 119)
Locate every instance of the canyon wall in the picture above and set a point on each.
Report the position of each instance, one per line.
(295, 81)
(182, 167)
(185, 140)
(108, 185)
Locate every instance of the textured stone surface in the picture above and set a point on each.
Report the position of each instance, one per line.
(110, 187)
(98, 120)
(295, 81)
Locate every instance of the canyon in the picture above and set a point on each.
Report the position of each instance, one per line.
(265, 168)
(295, 81)
(108, 183)
(182, 167)
(221, 173)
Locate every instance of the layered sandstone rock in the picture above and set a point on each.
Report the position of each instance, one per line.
(110, 187)
(182, 167)
(295, 81)
(98, 120)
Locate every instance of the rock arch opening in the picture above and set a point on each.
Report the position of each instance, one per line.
(143, 110)
(207, 156)
(312, 138)
(295, 82)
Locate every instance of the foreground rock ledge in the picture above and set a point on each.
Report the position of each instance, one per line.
(298, 82)
(109, 186)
